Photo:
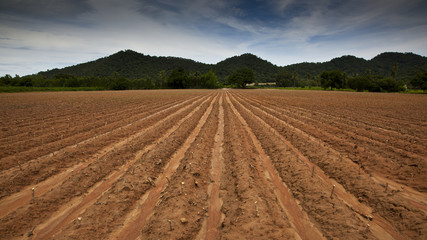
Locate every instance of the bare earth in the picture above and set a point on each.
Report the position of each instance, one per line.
(213, 164)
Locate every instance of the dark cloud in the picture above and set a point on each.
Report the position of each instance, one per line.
(282, 31)
(51, 10)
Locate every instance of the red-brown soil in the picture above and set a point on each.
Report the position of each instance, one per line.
(213, 164)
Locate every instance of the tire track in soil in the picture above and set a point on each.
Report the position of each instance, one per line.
(138, 217)
(378, 226)
(299, 219)
(66, 214)
(413, 196)
(12, 202)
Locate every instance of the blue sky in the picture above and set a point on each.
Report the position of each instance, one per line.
(36, 35)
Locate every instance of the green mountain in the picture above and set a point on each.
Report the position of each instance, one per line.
(133, 65)
(129, 64)
(404, 66)
(264, 71)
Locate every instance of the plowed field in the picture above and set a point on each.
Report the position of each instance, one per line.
(213, 164)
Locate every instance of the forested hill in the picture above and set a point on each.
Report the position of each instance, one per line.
(129, 64)
(133, 65)
(264, 71)
(404, 65)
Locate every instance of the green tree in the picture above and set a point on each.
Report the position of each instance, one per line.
(177, 79)
(209, 80)
(6, 80)
(389, 85)
(241, 77)
(194, 80)
(332, 79)
(420, 81)
(284, 79)
(118, 82)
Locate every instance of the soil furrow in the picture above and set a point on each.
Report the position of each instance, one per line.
(345, 172)
(382, 138)
(362, 109)
(213, 164)
(180, 212)
(379, 227)
(214, 210)
(62, 127)
(40, 169)
(140, 215)
(356, 160)
(88, 177)
(12, 202)
(299, 219)
(250, 203)
(45, 147)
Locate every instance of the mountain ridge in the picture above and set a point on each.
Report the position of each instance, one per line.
(134, 65)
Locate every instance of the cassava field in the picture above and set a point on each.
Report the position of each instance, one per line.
(213, 164)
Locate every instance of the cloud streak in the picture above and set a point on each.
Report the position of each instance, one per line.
(40, 35)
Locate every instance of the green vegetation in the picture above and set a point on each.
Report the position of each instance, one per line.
(241, 77)
(387, 72)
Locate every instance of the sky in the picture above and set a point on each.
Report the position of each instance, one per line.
(37, 35)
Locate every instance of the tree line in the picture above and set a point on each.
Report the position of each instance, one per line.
(341, 80)
(179, 78)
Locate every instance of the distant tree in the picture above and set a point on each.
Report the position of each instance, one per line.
(6, 80)
(209, 80)
(394, 70)
(389, 85)
(359, 83)
(118, 82)
(332, 79)
(148, 83)
(161, 76)
(26, 81)
(194, 80)
(177, 79)
(420, 81)
(284, 79)
(241, 77)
